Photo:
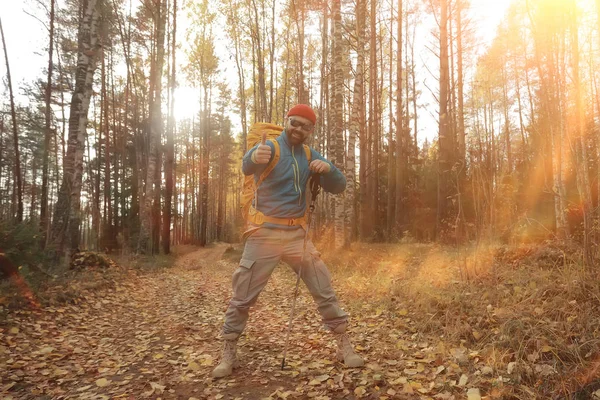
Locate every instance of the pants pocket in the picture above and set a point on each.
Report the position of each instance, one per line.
(242, 278)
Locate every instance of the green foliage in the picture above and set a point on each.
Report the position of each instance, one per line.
(21, 243)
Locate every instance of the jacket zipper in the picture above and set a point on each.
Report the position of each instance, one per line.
(297, 177)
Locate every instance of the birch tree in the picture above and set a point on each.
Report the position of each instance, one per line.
(67, 217)
(338, 119)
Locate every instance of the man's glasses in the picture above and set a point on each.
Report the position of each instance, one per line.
(305, 127)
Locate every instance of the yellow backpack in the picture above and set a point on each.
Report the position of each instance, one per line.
(254, 137)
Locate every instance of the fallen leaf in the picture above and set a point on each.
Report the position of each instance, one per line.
(399, 381)
(102, 382)
(487, 371)
(473, 394)
(159, 388)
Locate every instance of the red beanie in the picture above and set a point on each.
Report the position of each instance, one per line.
(303, 110)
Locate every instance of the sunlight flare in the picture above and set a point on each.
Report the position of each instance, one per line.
(187, 103)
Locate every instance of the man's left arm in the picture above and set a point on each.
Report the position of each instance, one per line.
(332, 179)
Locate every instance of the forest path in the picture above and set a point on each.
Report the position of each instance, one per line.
(156, 335)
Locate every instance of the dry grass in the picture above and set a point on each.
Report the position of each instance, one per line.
(534, 306)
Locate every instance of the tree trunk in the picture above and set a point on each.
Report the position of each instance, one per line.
(521, 121)
(222, 185)
(186, 184)
(376, 132)
(47, 133)
(170, 153)
(323, 122)
(598, 132)
(357, 119)
(13, 114)
(338, 125)
(65, 226)
(391, 187)
(95, 185)
(460, 87)
(444, 177)
(205, 128)
(232, 21)
(507, 141)
(261, 68)
(272, 106)
(148, 209)
(107, 233)
(34, 169)
(550, 110)
(299, 11)
(414, 86)
(402, 148)
(580, 145)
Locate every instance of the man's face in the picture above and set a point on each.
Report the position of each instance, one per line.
(298, 129)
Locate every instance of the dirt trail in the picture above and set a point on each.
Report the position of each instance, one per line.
(156, 336)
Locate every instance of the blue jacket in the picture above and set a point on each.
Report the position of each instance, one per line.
(283, 193)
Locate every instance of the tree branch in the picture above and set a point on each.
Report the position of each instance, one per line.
(39, 20)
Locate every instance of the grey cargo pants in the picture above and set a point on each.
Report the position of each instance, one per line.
(263, 251)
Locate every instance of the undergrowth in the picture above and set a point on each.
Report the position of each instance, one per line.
(531, 311)
(85, 276)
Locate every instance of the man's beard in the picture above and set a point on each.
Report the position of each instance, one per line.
(296, 137)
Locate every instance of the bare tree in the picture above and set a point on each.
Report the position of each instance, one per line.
(580, 145)
(170, 153)
(357, 118)
(13, 114)
(402, 147)
(48, 132)
(148, 216)
(445, 143)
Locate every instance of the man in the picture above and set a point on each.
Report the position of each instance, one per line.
(276, 233)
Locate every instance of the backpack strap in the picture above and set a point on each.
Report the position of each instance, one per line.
(308, 152)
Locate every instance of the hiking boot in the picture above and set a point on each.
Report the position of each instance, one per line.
(229, 359)
(345, 352)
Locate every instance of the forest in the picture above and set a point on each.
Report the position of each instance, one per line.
(472, 142)
(98, 156)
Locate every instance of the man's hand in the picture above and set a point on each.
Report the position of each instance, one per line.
(319, 166)
(262, 154)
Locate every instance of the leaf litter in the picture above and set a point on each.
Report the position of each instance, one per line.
(157, 336)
